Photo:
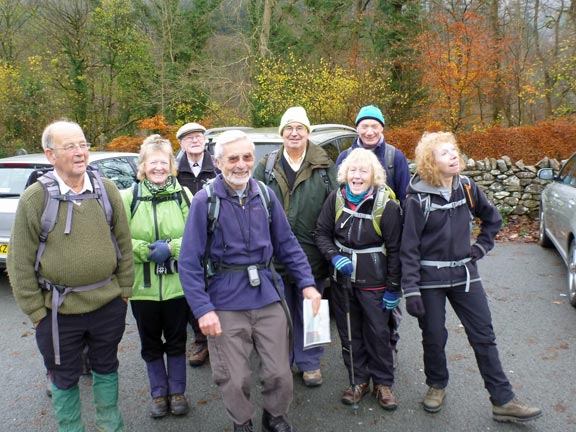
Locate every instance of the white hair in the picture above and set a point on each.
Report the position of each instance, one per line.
(229, 137)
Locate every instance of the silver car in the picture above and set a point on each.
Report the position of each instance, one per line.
(14, 173)
(558, 218)
(333, 138)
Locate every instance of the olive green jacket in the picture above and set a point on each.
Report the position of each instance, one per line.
(303, 203)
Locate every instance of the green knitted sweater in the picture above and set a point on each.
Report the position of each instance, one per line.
(83, 257)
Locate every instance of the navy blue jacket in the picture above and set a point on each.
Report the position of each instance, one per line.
(401, 170)
(445, 236)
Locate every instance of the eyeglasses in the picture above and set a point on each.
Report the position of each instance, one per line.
(70, 148)
(194, 137)
(297, 129)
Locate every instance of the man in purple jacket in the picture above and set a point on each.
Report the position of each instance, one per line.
(241, 307)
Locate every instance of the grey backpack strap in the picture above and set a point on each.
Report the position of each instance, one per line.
(269, 170)
(389, 153)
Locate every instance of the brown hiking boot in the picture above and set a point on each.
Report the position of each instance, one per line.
(179, 404)
(434, 400)
(199, 355)
(385, 397)
(515, 411)
(159, 407)
(312, 378)
(349, 396)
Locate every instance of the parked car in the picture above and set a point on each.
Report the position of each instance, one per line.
(333, 138)
(14, 172)
(558, 218)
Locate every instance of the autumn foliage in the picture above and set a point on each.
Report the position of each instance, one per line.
(555, 139)
(149, 126)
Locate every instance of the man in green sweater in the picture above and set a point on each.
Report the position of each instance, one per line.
(76, 291)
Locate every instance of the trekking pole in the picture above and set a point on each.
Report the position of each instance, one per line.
(347, 293)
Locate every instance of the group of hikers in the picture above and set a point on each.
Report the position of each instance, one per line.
(233, 246)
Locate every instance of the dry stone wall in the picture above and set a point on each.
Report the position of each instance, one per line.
(514, 188)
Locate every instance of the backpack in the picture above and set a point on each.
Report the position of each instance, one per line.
(214, 212)
(137, 198)
(428, 206)
(382, 196)
(269, 171)
(389, 152)
(53, 198)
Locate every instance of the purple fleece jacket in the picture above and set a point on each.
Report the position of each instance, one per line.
(243, 236)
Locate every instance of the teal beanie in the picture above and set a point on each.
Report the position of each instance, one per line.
(370, 112)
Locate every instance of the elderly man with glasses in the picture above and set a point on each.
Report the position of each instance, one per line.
(74, 282)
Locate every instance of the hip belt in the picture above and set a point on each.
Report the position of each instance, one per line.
(354, 255)
(451, 264)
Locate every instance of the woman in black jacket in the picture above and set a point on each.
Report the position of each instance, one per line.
(439, 264)
(359, 231)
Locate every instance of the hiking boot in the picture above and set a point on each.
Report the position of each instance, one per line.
(349, 396)
(275, 424)
(515, 411)
(199, 355)
(385, 397)
(159, 407)
(179, 404)
(434, 399)
(312, 378)
(246, 427)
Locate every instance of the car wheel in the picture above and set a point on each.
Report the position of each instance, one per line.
(543, 239)
(572, 274)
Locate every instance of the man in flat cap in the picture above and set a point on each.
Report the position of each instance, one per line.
(195, 168)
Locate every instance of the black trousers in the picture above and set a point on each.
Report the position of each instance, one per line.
(162, 327)
(370, 333)
(474, 314)
(100, 330)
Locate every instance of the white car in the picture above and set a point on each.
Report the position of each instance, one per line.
(558, 218)
(119, 167)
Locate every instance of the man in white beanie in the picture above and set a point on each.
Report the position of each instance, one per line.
(301, 175)
(195, 168)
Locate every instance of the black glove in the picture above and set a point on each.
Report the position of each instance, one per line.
(415, 306)
(476, 253)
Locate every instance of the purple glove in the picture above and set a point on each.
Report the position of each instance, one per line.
(415, 306)
(390, 300)
(343, 265)
(159, 251)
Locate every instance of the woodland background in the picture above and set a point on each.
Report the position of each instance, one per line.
(500, 74)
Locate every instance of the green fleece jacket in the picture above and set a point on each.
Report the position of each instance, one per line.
(85, 256)
(153, 222)
(303, 203)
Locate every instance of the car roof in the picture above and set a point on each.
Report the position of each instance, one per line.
(40, 158)
(318, 133)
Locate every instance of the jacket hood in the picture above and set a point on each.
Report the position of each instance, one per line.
(417, 185)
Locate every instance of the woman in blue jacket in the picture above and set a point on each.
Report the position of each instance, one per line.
(439, 264)
(157, 209)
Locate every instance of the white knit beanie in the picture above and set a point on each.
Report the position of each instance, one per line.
(294, 115)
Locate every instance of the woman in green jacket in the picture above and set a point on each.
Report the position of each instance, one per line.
(157, 208)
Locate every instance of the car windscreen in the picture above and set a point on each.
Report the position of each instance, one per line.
(13, 180)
